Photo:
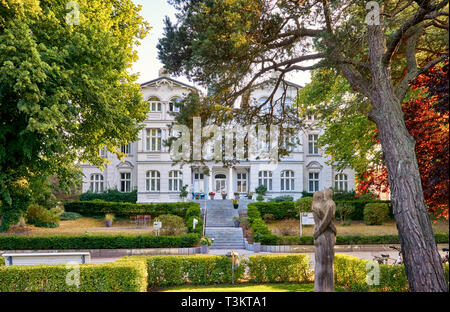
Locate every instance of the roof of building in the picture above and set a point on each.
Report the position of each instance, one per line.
(170, 79)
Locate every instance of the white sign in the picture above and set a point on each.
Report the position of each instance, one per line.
(157, 225)
(194, 222)
(307, 218)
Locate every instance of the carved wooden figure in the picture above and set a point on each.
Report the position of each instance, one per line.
(324, 209)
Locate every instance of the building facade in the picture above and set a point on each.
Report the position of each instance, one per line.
(149, 168)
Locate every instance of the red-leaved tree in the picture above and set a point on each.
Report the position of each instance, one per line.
(426, 117)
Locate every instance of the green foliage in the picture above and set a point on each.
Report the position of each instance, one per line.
(65, 91)
(95, 208)
(111, 277)
(69, 216)
(97, 242)
(183, 191)
(343, 210)
(111, 195)
(260, 198)
(195, 270)
(280, 210)
(261, 190)
(42, 217)
(14, 204)
(304, 204)
(279, 268)
(306, 194)
(376, 213)
(2, 261)
(281, 199)
(191, 213)
(206, 241)
(257, 224)
(41, 192)
(172, 225)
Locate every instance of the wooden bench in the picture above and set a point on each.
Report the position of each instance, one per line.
(47, 258)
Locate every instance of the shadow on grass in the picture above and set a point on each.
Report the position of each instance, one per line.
(282, 287)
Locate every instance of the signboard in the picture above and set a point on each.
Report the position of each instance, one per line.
(307, 218)
(194, 222)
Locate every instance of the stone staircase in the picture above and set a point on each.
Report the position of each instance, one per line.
(220, 225)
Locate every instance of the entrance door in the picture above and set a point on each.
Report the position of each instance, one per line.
(221, 183)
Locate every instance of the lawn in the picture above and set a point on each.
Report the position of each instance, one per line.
(86, 226)
(291, 227)
(245, 288)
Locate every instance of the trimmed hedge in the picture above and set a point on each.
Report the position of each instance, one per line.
(289, 209)
(97, 208)
(257, 224)
(195, 270)
(351, 272)
(97, 242)
(376, 213)
(111, 277)
(2, 261)
(111, 196)
(279, 269)
(271, 239)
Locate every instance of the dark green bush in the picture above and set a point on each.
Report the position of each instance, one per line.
(100, 208)
(281, 199)
(111, 195)
(376, 213)
(97, 242)
(304, 204)
(306, 194)
(111, 277)
(2, 261)
(279, 269)
(261, 190)
(281, 210)
(69, 216)
(198, 227)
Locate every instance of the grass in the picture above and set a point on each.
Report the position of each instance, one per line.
(245, 288)
(291, 227)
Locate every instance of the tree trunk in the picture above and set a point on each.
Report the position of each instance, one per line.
(423, 264)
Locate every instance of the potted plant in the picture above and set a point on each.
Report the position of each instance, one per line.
(237, 221)
(250, 195)
(211, 195)
(224, 195)
(236, 195)
(205, 242)
(235, 203)
(109, 219)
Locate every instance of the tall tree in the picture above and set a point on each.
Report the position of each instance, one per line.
(231, 44)
(64, 89)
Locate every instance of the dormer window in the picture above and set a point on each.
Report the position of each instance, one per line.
(155, 104)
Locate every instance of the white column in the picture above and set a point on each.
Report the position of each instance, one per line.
(210, 181)
(230, 184)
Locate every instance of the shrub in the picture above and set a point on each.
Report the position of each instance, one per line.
(111, 195)
(344, 195)
(42, 217)
(376, 213)
(304, 204)
(261, 190)
(279, 268)
(359, 205)
(100, 208)
(97, 242)
(281, 210)
(260, 198)
(69, 216)
(281, 199)
(306, 194)
(343, 210)
(196, 270)
(111, 277)
(172, 225)
(2, 261)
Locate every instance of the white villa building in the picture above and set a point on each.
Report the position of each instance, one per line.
(149, 168)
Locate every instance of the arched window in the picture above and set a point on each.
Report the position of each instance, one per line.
(175, 181)
(155, 104)
(341, 182)
(265, 178)
(96, 184)
(174, 105)
(287, 180)
(153, 181)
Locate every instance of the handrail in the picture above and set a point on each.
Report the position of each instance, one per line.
(204, 219)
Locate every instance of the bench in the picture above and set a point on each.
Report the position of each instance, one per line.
(47, 258)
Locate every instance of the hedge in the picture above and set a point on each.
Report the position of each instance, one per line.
(195, 270)
(288, 209)
(279, 269)
(2, 261)
(351, 272)
(191, 213)
(111, 277)
(257, 224)
(97, 242)
(271, 239)
(111, 196)
(97, 208)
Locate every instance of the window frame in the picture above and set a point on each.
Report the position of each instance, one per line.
(153, 142)
(315, 180)
(287, 181)
(96, 183)
(341, 179)
(265, 177)
(153, 181)
(176, 181)
(313, 148)
(125, 182)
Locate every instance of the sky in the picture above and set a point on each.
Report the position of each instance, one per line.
(148, 65)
